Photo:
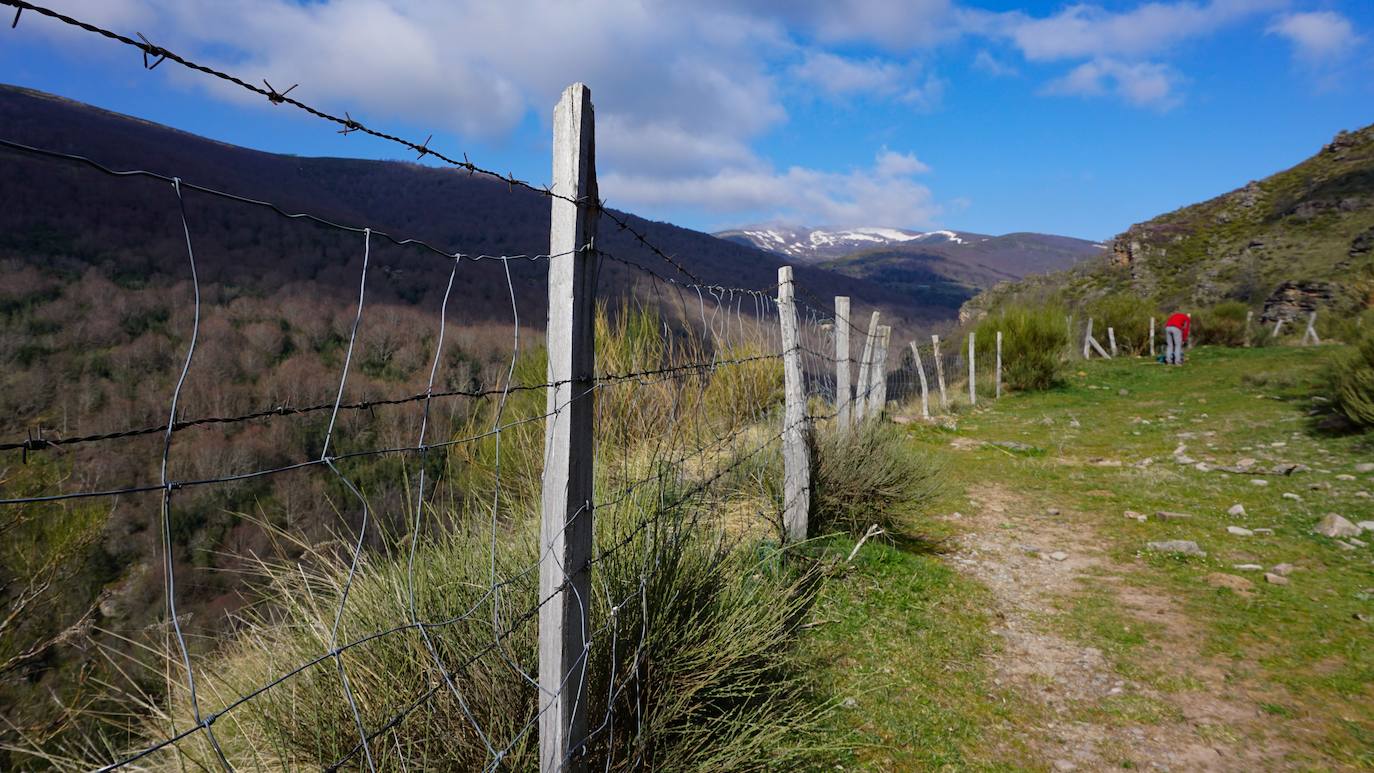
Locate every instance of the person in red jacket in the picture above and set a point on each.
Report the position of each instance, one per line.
(1176, 330)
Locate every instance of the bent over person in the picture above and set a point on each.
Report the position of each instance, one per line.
(1176, 330)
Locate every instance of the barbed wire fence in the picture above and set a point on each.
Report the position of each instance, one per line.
(569, 484)
(683, 364)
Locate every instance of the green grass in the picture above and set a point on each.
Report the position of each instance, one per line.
(1298, 648)
(902, 641)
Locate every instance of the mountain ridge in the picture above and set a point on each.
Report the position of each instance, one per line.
(120, 223)
(939, 269)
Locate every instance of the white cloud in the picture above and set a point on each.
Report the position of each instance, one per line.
(1319, 36)
(893, 164)
(885, 194)
(840, 77)
(985, 62)
(1085, 30)
(903, 25)
(1144, 84)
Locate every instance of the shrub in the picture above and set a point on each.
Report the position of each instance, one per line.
(1034, 340)
(1223, 324)
(1127, 315)
(1333, 326)
(692, 667)
(868, 475)
(1348, 384)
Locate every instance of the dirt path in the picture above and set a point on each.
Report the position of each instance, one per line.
(1089, 716)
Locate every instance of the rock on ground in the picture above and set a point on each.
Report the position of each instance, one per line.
(1336, 527)
(1185, 546)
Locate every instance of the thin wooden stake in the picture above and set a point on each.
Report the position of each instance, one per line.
(796, 475)
(864, 384)
(566, 521)
(844, 399)
(1087, 350)
(1249, 318)
(1152, 338)
(972, 371)
(877, 393)
(1111, 340)
(925, 389)
(999, 365)
(940, 373)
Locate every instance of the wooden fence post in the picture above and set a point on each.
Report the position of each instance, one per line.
(1152, 338)
(940, 373)
(1087, 351)
(998, 372)
(1310, 335)
(972, 371)
(1111, 340)
(1249, 318)
(877, 394)
(844, 400)
(863, 386)
(796, 473)
(925, 388)
(566, 518)
(1278, 325)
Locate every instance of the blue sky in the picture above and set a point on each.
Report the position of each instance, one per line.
(992, 116)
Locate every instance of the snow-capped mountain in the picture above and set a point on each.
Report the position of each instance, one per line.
(933, 268)
(821, 244)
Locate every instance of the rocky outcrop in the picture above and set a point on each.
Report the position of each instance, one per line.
(1363, 244)
(1295, 300)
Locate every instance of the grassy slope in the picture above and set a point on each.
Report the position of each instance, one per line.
(1244, 243)
(909, 640)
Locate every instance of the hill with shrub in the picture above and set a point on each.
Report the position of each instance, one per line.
(1298, 241)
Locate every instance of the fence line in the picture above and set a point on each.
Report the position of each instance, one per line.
(727, 333)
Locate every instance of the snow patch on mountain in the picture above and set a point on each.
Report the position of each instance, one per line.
(824, 243)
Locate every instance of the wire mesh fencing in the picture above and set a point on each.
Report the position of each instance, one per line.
(468, 543)
(406, 632)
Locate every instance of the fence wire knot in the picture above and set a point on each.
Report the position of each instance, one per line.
(148, 50)
(350, 125)
(276, 97)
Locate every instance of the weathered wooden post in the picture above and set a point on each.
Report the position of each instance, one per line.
(1309, 336)
(1152, 338)
(877, 393)
(925, 389)
(1111, 340)
(998, 372)
(844, 400)
(1087, 339)
(1249, 318)
(939, 372)
(796, 472)
(1278, 325)
(972, 371)
(865, 383)
(565, 533)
